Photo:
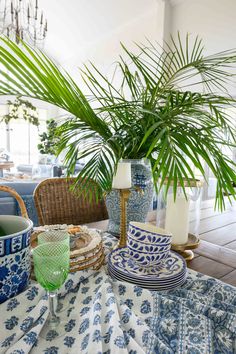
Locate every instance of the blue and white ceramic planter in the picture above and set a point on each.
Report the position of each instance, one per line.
(14, 255)
(140, 198)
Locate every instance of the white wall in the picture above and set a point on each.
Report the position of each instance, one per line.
(92, 29)
(212, 20)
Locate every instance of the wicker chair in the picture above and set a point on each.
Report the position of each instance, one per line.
(57, 204)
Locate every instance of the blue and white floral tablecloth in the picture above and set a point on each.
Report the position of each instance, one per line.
(104, 316)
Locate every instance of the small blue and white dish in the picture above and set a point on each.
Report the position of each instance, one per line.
(150, 282)
(149, 286)
(173, 274)
(148, 259)
(148, 245)
(149, 233)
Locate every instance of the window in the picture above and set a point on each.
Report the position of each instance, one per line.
(21, 138)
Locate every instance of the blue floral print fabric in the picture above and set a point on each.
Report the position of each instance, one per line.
(103, 316)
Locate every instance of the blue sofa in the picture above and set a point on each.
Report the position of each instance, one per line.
(9, 206)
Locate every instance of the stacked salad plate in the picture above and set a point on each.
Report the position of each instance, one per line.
(171, 275)
(86, 247)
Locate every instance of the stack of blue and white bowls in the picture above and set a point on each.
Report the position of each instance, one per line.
(148, 261)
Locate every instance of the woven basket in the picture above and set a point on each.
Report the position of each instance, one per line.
(88, 251)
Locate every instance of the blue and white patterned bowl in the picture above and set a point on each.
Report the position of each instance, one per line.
(148, 233)
(156, 244)
(148, 245)
(14, 255)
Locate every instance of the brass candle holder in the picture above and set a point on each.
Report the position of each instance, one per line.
(124, 196)
(185, 250)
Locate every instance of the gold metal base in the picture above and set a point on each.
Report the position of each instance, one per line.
(185, 249)
(188, 255)
(117, 245)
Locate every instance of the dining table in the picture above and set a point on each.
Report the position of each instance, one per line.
(5, 166)
(101, 315)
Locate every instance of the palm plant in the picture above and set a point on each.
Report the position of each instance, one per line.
(170, 107)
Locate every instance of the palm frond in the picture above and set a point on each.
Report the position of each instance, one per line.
(156, 111)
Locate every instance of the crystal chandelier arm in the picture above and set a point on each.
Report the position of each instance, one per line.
(20, 19)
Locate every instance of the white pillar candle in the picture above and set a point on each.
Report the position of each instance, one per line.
(122, 178)
(177, 218)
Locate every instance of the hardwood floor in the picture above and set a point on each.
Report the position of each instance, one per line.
(216, 255)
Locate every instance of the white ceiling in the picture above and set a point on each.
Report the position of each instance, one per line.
(76, 27)
(82, 30)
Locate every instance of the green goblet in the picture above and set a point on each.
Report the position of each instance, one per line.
(61, 236)
(51, 267)
(54, 236)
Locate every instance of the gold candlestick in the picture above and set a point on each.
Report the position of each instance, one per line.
(124, 196)
(185, 250)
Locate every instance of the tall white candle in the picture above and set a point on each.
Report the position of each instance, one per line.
(122, 178)
(177, 218)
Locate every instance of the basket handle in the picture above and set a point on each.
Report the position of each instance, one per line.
(15, 195)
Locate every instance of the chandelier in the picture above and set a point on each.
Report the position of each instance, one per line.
(22, 19)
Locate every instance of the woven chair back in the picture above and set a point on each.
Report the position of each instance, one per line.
(56, 203)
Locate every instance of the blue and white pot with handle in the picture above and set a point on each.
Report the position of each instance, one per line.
(15, 232)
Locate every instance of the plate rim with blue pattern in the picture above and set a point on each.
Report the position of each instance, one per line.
(118, 260)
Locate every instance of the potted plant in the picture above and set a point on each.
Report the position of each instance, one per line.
(48, 143)
(169, 108)
(21, 108)
(48, 139)
(47, 163)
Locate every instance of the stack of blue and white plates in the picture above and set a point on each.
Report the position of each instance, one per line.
(171, 275)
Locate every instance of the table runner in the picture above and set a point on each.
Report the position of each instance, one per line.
(105, 316)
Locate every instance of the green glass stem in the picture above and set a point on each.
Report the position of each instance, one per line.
(53, 319)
